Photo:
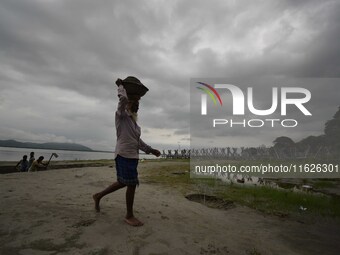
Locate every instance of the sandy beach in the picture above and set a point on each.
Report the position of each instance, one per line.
(51, 212)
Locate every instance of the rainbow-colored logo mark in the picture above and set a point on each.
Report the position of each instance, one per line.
(209, 90)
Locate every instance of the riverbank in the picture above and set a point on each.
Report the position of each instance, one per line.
(51, 212)
(9, 166)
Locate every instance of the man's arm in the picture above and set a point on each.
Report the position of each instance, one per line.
(147, 149)
(123, 99)
(42, 164)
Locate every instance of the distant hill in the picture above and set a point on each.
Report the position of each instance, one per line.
(47, 146)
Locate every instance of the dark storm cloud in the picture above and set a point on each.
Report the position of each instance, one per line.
(76, 49)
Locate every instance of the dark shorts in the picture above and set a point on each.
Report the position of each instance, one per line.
(127, 170)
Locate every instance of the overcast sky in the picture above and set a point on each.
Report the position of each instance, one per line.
(59, 60)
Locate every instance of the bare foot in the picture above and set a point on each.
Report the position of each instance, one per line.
(96, 202)
(133, 222)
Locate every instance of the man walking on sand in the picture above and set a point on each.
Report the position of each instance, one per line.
(128, 145)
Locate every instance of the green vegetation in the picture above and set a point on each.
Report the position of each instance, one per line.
(321, 184)
(281, 202)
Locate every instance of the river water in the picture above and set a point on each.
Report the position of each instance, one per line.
(15, 154)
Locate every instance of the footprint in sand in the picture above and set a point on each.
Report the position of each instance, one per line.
(163, 217)
(84, 223)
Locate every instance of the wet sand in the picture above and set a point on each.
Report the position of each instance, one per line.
(52, 212)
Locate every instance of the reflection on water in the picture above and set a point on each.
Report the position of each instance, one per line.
(247, 180)
(236, 178)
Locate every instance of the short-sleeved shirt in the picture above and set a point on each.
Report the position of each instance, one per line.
(35, 166)
(23, 166)
(30, 162)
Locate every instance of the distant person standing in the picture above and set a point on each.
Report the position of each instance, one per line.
(22, 165)
(31, 160)
(37, 165)
(128, 145)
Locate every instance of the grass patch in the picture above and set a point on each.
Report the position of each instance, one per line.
(262, 198)
(322, 184)
(278, 201)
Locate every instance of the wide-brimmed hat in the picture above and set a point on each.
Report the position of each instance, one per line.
(134, 87)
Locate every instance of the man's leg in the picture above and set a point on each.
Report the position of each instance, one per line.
(113, 187)
(130, 218)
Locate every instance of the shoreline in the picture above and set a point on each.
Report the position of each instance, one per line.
(7, 167)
